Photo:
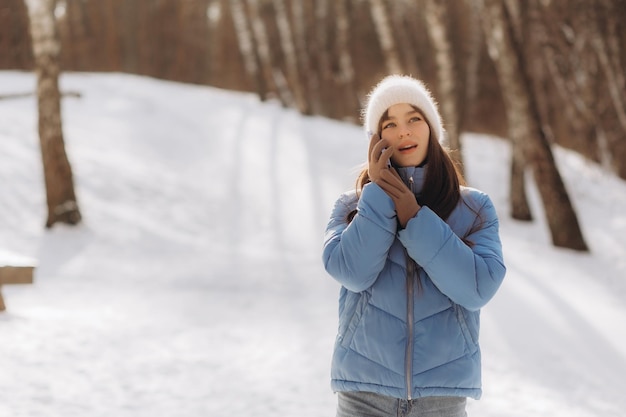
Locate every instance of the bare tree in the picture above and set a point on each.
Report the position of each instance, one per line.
(612, 71)
(61, 199)
(76, 29)
(403, 18)
(321, 56)
(264, 53)
(524, 126)
(447, 81)
(475, 45)
(385, 36)
(569, 59)
(247, 46)
(308, 77)
(289, 52)
(321, 48)
(344, 74)
(579, 42)
(605, 30)
(112, 38)
(14, 41)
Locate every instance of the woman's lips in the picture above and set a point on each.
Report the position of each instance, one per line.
(407, 149)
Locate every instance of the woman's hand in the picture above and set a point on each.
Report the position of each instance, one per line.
(379, 157)
(403, 198)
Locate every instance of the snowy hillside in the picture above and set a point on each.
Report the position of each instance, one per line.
(195, 287)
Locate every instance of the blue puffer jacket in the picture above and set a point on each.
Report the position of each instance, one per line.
(394, 338)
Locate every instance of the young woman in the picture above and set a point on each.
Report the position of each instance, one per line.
(417, 254)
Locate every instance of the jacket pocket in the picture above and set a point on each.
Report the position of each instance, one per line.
(472, 342)
(351, 321)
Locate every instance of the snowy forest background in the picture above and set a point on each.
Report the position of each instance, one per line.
(322, 56)
(547, 76)
(539, 72)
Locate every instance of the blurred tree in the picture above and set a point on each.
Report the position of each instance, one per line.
(383, 27)
(330, 46)
(129, 26)
(321, 31)
(342, 84)
(227, 65)
(475, 47)
(403, 19)
(582, 43)
(247, 47)
(264, 50)
(308, 78)
(322, 56)
(605, 31)
(287, 44)
(77, 27)
(530, 145)
(450, 92)
(14, 37)
(61, 199)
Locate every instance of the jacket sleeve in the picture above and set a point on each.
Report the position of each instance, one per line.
(469, 276)
(355, 253)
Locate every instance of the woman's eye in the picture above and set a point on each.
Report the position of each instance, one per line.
(414, 119)
(388, 125)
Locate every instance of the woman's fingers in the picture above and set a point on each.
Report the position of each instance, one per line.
(379, 157)
(391, 189)
(377, 150)
(395, 174)
(392, 177)
(373, 141)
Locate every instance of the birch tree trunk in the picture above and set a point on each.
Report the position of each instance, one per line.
(345, 73)
(437, 27)
(289, 52)
(61, 199)
(572, 68)
(494, 37)
(525, 129)
(403, 17)
(247, 47)
(262, 47)
(385, 36)
(309, 77)
(604, 29)
(475, 41)
(321, 47)
(614, 75)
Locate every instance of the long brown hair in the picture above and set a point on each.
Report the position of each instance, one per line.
(441, 191)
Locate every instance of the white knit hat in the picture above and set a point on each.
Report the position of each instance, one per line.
(396, 89)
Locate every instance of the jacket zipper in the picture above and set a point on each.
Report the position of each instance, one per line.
(408, 358)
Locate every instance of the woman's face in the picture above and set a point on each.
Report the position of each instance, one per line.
(407, 132)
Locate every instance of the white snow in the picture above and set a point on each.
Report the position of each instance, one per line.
(194, 287)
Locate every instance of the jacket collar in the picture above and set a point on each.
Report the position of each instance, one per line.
(413, 177)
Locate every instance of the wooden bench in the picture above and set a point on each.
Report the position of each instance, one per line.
(14, 269)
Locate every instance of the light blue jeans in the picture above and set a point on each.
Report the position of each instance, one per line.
(367, 404)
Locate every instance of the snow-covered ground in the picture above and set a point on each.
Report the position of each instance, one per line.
(194, 287)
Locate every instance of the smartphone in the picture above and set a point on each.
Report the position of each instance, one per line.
(388, 160)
